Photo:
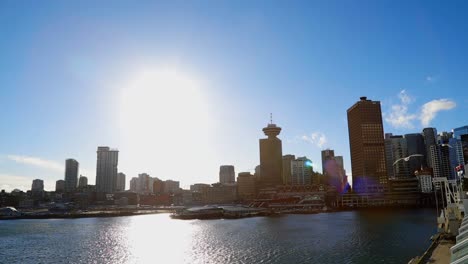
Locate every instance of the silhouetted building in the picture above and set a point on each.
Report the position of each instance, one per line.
(71, 175)
(287, 169)
(430, 139)
(415, 145)
(37, 185)
(396, 149)
(327, 154)
(198, 187)
(245, 186)
(133, 184)
(366, 140)
(227, 174)
(106, 169)
(83, 181)
(271, 158)
(301, 171)
(60, 186)
(120, 182)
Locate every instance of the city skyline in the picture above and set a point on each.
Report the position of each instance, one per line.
(65, 92)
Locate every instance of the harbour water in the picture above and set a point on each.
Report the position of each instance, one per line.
(392, 236)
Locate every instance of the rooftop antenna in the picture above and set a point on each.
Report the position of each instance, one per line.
(271, 118)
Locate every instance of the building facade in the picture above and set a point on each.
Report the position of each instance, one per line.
(415, 145)
(106, 169)
(366, 140)
(301, 171)
(60, 186)
(430, 139)
(287, 169)
(71, 175)
(227, 174)
(396, 149)
(245, 186)
(83, 181)
(271, 158)
(120, 182)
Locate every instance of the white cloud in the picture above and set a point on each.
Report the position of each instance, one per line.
(430, 109)
(399, 116)
(11, 182)
(317, 138)
(430, 78)
(38, 162)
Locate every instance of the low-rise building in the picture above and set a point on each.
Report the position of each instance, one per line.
(245, 186)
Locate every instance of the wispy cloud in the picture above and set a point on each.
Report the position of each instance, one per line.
(317, 138)
(10, 182)
(400, 117)
(431, 78)
(430, 109)
(38, 162)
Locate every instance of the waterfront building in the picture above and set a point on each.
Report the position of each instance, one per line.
(455, 155)
(83, 181)
(171, 186)
(60, 186)
(430, 139)
(106, 169)
(133, 184)
(271, 157)
(366, 140)
(227, 174)
(396, 149)
(245, 186)
(287, 169)
(461, 133)
(198, 187)
(143, 183)
(301, 171)
(120, 182)
(71, 175)
(219, 193)
(37, 185)
(415, 145)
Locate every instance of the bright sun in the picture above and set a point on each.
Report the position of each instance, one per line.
(165, 125)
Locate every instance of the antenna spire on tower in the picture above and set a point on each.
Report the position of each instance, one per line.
(271, 118)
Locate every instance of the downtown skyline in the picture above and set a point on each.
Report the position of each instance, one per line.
(218, 78)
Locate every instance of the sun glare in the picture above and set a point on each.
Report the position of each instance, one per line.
(165, 123)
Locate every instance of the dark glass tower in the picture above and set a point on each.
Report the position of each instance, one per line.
(366, 140)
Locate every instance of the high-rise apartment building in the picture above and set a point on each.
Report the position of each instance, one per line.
(83, 181)
(71, 175)
(133, 184)
(106, 169)
(366, 140)
(120, 182)
(227, 174)
(287, 169)
(396, 149)
(271, 157)
(301, 171)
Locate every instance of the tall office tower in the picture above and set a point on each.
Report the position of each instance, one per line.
(133, 184)
(60, 186)
(455, 155)
(227, 174)
(106, 169)
(366, 140)
(328, 154)
(301, 171)
(287, 169)
(440, 160)
(271, 157)
(71, 175)
(339, 161)
(430, 139)
(37, 186)
(396, 149)
(120, 182)
(415, 143)
(83, 181)
(461, 133)
(143, 183)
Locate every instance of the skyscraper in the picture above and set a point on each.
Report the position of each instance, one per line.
(37, 186)
(415, 144)
(227, 174)
(271, 157)
(455, 155)
(366, 140)
(59, 186)
(301, 171)
(83, 181)
(396, 148)
(327, 154)
(430, 139)
(461, 133)
(440, 160)
(106, 169)
(71, 175)
(120, 182)
(287, 169)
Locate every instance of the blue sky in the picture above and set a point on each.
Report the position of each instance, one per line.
(183, 87)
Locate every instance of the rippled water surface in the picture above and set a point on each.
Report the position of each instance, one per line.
(344, 237)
